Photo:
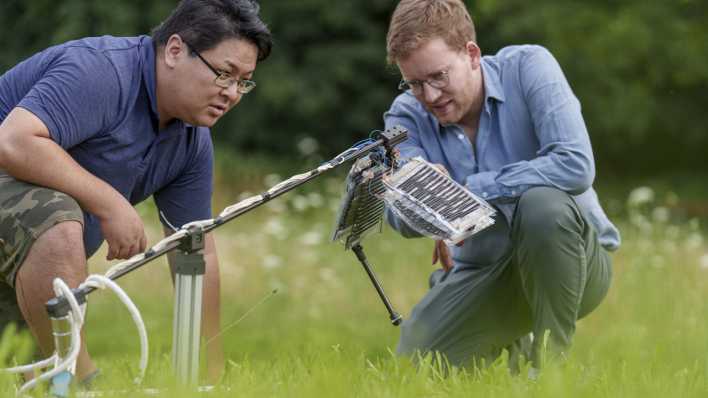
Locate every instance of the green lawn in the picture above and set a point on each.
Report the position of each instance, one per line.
(325, 333)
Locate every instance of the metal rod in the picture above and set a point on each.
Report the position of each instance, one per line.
(61, 331)
(186, 327)
(190, 267)
(389, 139)
(396, 318)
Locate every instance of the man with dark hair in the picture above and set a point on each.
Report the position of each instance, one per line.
(94, 126)
(509, 128)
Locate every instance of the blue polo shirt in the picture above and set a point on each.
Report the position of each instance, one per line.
(531, 133)
(98, 99)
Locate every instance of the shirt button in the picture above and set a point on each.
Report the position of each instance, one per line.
(485, 194)
(513, 192)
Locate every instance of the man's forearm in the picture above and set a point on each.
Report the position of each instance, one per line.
(211, 327)
(34, 157)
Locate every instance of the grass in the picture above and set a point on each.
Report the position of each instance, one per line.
(325, 333)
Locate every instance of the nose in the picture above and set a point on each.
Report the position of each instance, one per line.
(430, 93)
(232, 94)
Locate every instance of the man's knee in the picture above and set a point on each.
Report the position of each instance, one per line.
(59, 251)
(62, 241)
(544, 212)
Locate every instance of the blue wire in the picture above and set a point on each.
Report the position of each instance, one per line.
(363, 143)
(354, 147)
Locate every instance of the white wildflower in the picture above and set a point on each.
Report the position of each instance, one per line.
(694, 241)
(307, 146)
(315, 199)
(272, 261)
(641, 223)
(328, 275)
(271, 180)
(640, 196)
(704, 262)
(299, 202)
(311, 238)
(660, 214)
(275, 227)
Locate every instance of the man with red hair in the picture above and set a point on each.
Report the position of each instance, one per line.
(509, 128)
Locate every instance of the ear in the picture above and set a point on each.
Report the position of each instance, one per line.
(174, 49)
(474, 52)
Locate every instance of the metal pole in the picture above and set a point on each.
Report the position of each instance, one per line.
(395, 317)
(61, 331)
(189, 274)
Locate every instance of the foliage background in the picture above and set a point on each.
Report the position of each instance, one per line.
(638, 67)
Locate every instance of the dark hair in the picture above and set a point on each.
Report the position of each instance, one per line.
(203, 24)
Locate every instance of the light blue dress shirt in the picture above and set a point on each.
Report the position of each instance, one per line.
(531, 133)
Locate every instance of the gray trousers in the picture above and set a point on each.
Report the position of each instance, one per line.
(555, 273)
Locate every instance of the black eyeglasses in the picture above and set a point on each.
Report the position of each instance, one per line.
(438, 80)
(223, 79)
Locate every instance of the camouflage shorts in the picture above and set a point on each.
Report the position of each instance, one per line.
(26, 211)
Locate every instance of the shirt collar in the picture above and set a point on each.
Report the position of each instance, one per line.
(492, 83)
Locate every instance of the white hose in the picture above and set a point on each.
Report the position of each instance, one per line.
(29, 368)
(76, 320)
(101, 282)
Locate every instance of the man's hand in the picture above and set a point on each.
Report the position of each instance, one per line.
(123, 230)
(442, 253)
